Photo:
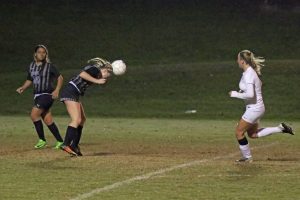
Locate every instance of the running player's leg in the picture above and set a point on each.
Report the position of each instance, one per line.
(48, 120)
(241, 128)
(36, 119)
(254, 132)
(282, 128)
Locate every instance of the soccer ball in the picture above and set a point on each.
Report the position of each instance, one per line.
(119, 67)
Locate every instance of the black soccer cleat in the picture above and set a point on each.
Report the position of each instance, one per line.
(244, 160)
(68, 150)
(76, 150)
(286, 129)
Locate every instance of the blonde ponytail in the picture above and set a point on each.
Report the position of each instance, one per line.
(255, 62)
(100, 63)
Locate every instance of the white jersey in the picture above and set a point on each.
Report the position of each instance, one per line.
(250, 86)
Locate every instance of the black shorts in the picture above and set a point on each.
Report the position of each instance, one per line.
(69, 93)
(44, 101)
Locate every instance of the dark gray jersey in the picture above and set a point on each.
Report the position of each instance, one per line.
(42, 77)
(82, 84)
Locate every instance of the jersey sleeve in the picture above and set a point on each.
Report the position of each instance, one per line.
(250, 78)
(54, 71)
(249, 94)
(92, 71)
(29, 78)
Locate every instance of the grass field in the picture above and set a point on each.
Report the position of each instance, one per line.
(167, 91)
(138, 142)
(119, 149)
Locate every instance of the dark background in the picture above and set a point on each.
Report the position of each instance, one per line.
(180, 54)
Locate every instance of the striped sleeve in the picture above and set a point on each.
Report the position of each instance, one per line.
(29, 77)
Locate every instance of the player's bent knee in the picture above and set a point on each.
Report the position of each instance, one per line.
(48, 122)
(239, 133)
(34, 117)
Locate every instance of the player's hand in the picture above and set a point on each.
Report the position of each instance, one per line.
(233, 93)
(101, 81)
(55, 94)
(20, 90)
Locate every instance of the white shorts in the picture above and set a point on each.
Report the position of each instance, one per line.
(252, 115)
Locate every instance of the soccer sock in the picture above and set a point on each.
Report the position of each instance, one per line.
(268, 131)
(245, 148)
(54, 130)
(77, 138)
(39, 129)
(70, 135)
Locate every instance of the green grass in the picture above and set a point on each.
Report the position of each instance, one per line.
(117, 149)
(167, 91)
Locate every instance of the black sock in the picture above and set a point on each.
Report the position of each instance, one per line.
(39, 129)
(243, 141)
(54, 130)
(78, 136)
(70, 135)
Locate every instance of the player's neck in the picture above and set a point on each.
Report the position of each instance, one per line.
(39, 62)
(246, 67)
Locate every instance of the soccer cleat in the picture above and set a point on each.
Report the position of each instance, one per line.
(58, 145)
(41, 143)
(76, 150)
(245, 160)
(68, 150)
(286, 129)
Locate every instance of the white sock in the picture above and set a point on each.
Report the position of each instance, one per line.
(245, 149)
(269, 131)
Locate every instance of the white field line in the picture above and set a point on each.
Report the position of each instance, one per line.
(158, 172)
(248, 175)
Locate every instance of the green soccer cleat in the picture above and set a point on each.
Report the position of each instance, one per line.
(41, 143)
(58, 145)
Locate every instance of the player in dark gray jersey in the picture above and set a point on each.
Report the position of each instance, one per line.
(97, 71)
(43, 74)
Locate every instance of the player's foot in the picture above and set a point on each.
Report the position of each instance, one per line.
(68, 150)
(41, 143)
(245, 160)
(286, 129)
(76, 150)
(58, 145)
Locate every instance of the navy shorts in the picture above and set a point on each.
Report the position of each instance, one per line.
(69, 93)
(44, 101)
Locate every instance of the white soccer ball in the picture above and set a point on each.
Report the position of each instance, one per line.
(119, 67)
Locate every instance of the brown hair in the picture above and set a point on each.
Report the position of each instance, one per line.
(47, 59)
(255, 62)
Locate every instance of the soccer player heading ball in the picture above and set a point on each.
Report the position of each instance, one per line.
(97, 71)
(250, 91)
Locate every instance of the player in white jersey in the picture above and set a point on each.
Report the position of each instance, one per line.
(250, 91)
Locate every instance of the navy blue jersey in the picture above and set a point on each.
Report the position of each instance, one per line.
(43, 77)
(82, 84)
